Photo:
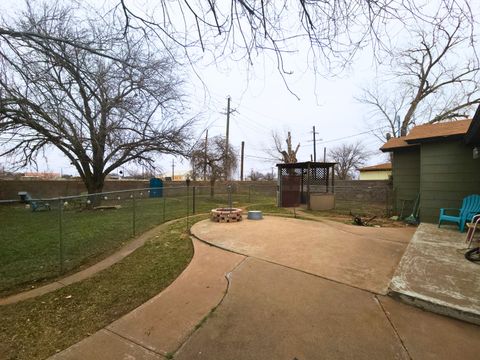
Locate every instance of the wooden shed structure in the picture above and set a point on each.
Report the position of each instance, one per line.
(309, 183)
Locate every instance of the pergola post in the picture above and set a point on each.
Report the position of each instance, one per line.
(327, 179)
(308, 186)
(333, 178)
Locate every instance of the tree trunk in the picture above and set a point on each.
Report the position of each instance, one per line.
(409, 115)
(94, 186)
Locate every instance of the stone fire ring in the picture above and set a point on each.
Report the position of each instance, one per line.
(226, 215)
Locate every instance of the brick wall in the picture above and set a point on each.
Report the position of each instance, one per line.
(379, 191)
(56, 188)
(369, 191)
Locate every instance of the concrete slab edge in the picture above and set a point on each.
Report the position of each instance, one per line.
(392, 325)
(436, 307)
(212, 310)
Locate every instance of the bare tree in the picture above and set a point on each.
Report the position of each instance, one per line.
(99, 112)
(349, 157)
(438, 79)
(209, 159)
(243, 29)
(286, 155)
(144, 173)
(335, 30)
(259, 176)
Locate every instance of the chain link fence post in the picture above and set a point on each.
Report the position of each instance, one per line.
(164, 204)
(229, 196)
(193, 199)
(188, 200)
(60, 233)
(134, 213)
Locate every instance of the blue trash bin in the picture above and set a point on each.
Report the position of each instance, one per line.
(156, 188)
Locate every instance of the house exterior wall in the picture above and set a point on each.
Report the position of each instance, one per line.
(448, 173)
(406, 179)
(375, 175)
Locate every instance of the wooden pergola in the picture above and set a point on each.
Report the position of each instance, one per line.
(298, 181)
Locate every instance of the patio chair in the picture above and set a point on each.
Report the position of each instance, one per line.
(470, 207)
(35, 205)
(472, 228)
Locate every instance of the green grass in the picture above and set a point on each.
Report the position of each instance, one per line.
(39, 327)
(30, 241)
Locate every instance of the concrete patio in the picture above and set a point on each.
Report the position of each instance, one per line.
(362, 257)
(434, 274)
(319, 300)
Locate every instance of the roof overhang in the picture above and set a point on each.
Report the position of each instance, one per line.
(454, 137)
(396, 144)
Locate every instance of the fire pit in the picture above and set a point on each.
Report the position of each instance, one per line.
(226, 215)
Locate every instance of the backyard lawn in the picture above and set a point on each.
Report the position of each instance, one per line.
(31, 250)
(37, 328)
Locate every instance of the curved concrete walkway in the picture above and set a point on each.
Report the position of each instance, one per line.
(163, 323)
(90, 271)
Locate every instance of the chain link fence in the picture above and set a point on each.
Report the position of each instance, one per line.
(42, 239)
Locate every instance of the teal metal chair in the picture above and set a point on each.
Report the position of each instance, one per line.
(35, 205)
(470, 207)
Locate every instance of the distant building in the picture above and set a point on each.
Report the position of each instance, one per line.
(376, 172)
(42, 175)
(180, 176)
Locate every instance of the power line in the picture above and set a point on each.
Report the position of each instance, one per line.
(253, 122)
(262, 158)
(350, 136)
(251, 111)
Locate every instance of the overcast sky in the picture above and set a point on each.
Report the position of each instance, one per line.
(263, 104)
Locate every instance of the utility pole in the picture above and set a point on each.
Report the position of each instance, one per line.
(173, 169)
(205, 158)
(324, 154)
(227, 138)
(241, 161)
(314, 145)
